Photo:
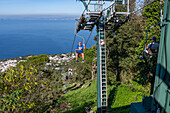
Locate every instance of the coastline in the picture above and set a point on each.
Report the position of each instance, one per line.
(58, 59)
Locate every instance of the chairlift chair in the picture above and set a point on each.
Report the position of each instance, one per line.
(151, 51)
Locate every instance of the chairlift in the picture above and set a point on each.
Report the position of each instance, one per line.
(150, 51)
(79, 37)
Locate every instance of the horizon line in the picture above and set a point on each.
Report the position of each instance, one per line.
(39, 14)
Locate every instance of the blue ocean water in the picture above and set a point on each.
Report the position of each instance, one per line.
(34, 37)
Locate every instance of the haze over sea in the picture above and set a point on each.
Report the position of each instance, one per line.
(34, 36)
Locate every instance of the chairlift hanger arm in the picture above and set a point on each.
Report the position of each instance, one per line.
(148, 30)
(76, 32)
(84, 3)
(81, 38)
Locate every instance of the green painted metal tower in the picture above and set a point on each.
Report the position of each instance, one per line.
(98, 17)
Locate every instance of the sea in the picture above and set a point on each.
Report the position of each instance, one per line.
(34, 37)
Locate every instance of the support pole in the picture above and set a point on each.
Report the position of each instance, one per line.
(98, 73)
(88, 4)
(101, 69)
(128, 8)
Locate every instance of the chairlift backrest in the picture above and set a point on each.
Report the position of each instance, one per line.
(153, 51)
(154, 45)
(121, 1)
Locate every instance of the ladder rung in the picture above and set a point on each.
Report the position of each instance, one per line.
(104, 95)
(88, 25)
(92, 20)
(104, 98)
(104, 90)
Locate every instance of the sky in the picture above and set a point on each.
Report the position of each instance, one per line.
(31, 7)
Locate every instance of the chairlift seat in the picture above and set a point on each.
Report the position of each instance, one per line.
(109, 24)
(79, 55)
(94, 16)
(89, 25)
(153, 51)
(107, 28)
(93, 13)
(87, 28)
(121, 13)
(119, 1)
(92, 20)
(113, 20)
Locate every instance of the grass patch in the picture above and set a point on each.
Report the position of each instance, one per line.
(82, 97)
(124, 95)
(120, 97)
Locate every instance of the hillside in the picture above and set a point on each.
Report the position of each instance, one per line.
(33, 87)
(84, 99)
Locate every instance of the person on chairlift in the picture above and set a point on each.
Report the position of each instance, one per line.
(79, 51)
(151, 48)
(70, 72)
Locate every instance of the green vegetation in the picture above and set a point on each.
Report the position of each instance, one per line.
(121, 96)
(28, 87)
